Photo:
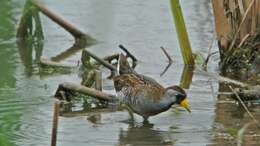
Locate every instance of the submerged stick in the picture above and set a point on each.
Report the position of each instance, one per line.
(244, 106)
(55, 121)
(47, 62)
(84, 90)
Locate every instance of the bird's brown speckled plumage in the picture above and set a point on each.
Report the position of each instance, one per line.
(138, 83)
(143, 94)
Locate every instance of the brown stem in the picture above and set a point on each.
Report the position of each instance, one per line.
(205, 63)
(98, 80)
(169, 59)
(55, 122)
(48, 62)
(240, 25)
(167, 55)
(111, 57)
(101, 61)
(84, 90)
(128, 54)
(66, 25)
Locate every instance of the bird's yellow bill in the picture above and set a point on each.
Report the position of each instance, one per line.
(185, 104)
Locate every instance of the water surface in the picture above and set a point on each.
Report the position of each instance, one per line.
(26, 100)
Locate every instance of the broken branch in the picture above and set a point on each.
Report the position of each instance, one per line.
(128, 54)
(167, 55)
(66, 25)
(169, 59)
(101, 61)
(243, 104)
(47, 62)
(55, 122)
(84, 90)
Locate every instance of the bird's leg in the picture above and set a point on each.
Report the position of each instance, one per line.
(145, 119)
(130, 112)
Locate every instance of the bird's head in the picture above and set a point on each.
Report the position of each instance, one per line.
(179, 96)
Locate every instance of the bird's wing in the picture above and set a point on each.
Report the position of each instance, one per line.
(132, 85)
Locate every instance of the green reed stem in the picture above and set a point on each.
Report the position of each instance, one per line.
(182, 33)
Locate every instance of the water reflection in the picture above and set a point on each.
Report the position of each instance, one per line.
(230, 118)
(204, 28)
(186, 77)
(26, 51)
(140, 30)
(30, 37)
(30, 40)
(10, 113)
(142, 135)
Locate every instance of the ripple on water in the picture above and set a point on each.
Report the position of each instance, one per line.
(18, 122)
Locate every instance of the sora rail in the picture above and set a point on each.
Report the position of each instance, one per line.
(143, 95)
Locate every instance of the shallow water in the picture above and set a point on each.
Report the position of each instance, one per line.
(26, 100)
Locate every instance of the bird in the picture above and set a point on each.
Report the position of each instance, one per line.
(143, 95)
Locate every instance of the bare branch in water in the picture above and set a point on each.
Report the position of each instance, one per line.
(244, 106)
(56, 112)
(167, 55)
(68, 87)
(165, 69)
(169, 59)
(101, 61)
(205, 64)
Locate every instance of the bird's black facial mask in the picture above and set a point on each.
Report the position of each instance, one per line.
(180, 97)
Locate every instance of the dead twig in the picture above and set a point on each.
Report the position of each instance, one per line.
(68, 87)
(111, 58)
(240, 25)
(47, 62)
(101, 61)
(167, 55)
(55, 122)
(128, 54)
(205, 63)
(66, 25)
(243, 40)
(170, 61)
(244, 106)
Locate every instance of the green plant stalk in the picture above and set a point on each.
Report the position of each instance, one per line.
(182, 33)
